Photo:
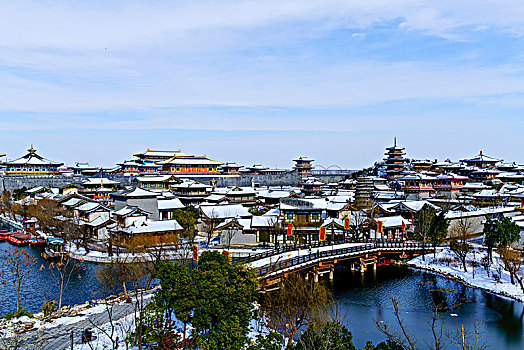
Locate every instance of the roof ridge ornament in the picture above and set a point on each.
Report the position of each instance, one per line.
(32, 149)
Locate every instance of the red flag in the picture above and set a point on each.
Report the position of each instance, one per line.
(403, 226)
(380, 226)
(346, 224)
(227, 254)
(195, 252)
(322, 235)
(289, 229)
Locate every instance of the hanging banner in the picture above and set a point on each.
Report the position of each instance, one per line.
(403, 226)
(346, 223)
(322, 235)
(195, 252)
(290, 229)
(380, 226)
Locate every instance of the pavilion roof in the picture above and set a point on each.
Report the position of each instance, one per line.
(481, 158)
(32, 158)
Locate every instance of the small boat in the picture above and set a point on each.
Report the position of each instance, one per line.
(18, 238)
(54, 248)
(34, 241)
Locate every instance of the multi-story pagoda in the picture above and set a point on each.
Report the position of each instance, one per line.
(30, 164)
(364, 192)
(394, 162)
(303, 165)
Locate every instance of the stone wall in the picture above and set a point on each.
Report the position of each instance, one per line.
(11, 182)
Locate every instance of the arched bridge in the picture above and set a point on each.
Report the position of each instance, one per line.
(322, 257)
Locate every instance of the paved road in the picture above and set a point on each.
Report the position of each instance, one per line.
(59, 338)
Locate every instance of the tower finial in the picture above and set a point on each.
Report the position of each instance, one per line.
(395, 141)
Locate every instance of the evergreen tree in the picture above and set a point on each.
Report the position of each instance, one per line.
(223, 308)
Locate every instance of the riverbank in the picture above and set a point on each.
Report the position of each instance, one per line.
(55, 330)
(493, 279)
(168, 253)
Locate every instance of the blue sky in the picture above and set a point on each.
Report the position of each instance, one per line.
(262, 81)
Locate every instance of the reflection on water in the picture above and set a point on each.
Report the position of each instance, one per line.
(367, 297)
(40, 285)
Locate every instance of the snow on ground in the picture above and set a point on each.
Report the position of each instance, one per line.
(295, 253)
(446, 263)
(180, 253)
(69, 315)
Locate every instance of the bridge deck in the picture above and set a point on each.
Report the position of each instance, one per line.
(301, 259)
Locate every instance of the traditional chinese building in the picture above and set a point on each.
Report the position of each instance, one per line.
(84, 169)
(230, 168)
(190, 165)
(394, 162)
(158, 182)
(481, 161)
(303, 165)
(311, 187)
(449, 184)
(417, 186)
(31, 164)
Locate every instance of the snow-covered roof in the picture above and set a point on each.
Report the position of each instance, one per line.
(151, 226)
(190, 161)
(101, 220)
(98, 181)
(393, 221)
(136, 192)
(35, 189)
(156, 178)
(481, 158)
(166, 204)
(129, 210)
(413, 206)
(303, 159)
(91, 206)
(32, 158)
(155, 153)
(274, 194)
(225, 211)
(191, 184)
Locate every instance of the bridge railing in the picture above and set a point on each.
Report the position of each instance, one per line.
(288, 263)
(292, 247)
(318, 244)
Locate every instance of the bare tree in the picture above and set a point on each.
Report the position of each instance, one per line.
(209, 225)
(359, 224)
(467, 339)
(463, 338)
(513, 262)
(423, 222)
(18, 263)
(62, 271)
(297, 304)
(459, 233)
(402, 337)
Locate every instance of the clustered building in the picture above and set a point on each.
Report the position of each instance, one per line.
(380, 202)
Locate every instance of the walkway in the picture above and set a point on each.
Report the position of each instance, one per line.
(59, 338)
(278, 263)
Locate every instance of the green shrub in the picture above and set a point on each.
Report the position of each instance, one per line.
(11, 315)
(49, 307)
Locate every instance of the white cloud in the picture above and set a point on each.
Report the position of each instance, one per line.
(358, 35)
